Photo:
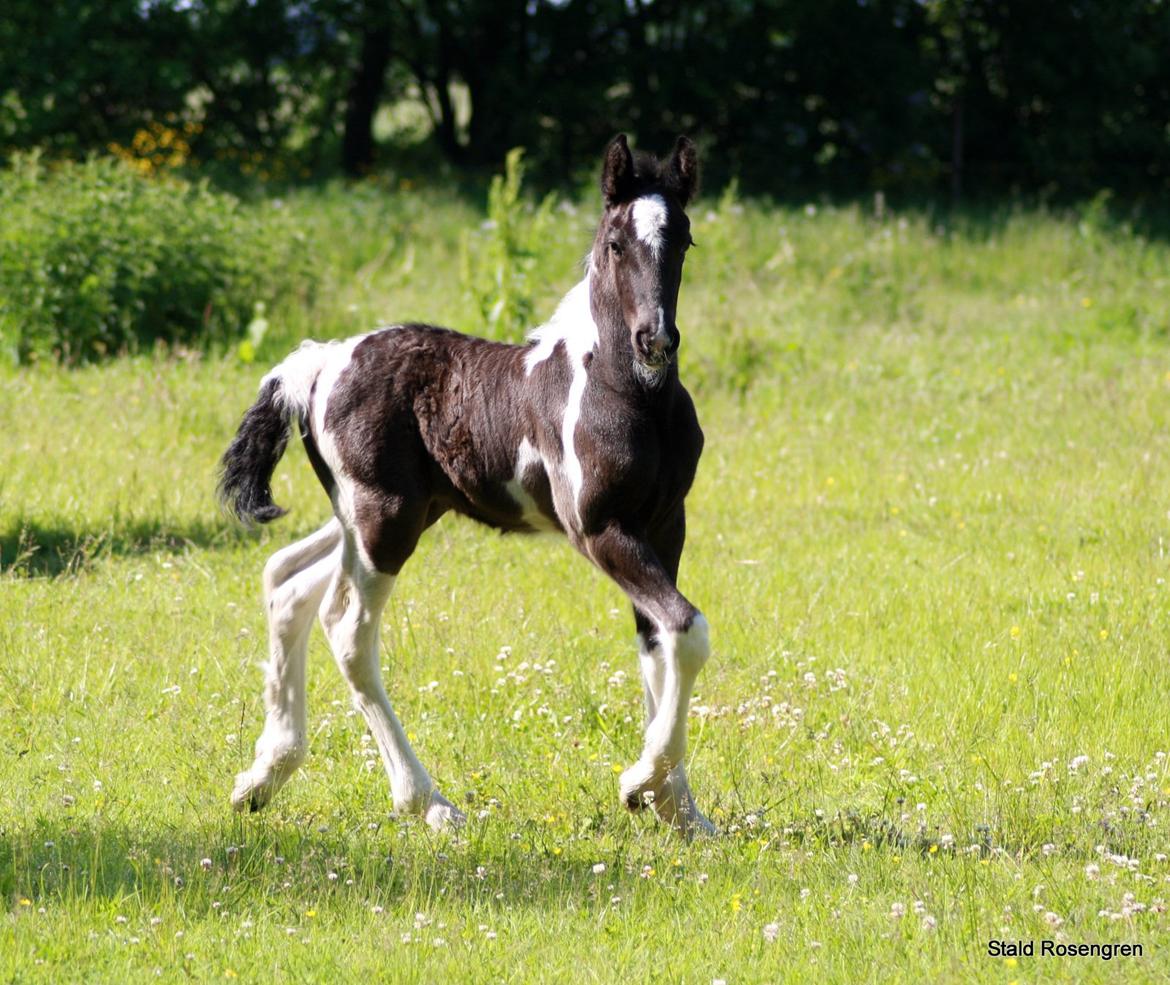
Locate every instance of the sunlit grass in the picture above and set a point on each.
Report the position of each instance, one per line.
(930, 532)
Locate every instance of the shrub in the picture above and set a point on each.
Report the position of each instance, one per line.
(96, 260)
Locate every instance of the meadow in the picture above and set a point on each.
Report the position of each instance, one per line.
(931, 532)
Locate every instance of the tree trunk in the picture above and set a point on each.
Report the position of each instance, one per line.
(362, 99)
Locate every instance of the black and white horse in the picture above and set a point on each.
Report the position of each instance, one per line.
(585, 430)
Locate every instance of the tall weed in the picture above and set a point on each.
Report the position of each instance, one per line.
(499, 259)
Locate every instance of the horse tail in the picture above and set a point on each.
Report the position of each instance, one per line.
(245, 471)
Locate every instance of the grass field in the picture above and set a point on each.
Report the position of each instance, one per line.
(931, 532)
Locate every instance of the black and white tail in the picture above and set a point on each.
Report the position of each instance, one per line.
(245, 471)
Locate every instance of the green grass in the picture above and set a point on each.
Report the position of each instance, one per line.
(931, 534)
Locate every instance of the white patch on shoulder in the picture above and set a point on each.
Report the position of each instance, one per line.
(572, 323)
(571, 464)
(650, 221)
(527, 457)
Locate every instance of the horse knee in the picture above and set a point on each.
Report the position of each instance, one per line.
(693, 645)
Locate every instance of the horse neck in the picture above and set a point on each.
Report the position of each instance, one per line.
(595, 336)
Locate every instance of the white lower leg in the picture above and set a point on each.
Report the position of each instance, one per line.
(669, 673)
(294, 581)
(673, 802)
(351, 612)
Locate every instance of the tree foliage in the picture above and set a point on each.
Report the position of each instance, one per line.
(787, 94)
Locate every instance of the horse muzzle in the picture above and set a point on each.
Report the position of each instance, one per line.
(656, 346)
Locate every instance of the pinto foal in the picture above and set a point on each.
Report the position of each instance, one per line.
(585, 430)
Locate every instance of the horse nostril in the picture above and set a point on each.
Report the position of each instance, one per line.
(652, 343)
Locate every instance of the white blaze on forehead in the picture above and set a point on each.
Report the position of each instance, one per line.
(650, 216)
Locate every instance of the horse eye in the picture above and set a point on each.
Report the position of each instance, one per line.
(615, 247)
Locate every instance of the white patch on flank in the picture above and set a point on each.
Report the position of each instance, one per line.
(527, 457)
(650, 221)
(321, 363)
(336, 360)
(304, 366)
(572, 323)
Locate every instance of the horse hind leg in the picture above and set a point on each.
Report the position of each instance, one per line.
(295, 579)
(351, 613)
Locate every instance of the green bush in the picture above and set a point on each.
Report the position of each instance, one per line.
(96, 260)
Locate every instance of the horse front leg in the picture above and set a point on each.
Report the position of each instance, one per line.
(673, 803)
(673, 653)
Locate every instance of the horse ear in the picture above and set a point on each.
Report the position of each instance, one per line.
(617, 174)
(682, 171)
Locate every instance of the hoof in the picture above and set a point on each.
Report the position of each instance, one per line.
(694, 825)
(638, 787)
(442, 815)
(635, 802)
(276, 761)
(669, 795)
(248, 795)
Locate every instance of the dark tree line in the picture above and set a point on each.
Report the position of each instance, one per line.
(787, 94)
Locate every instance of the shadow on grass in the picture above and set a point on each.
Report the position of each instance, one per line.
(282, 863)
(31, 549)
(285, 862)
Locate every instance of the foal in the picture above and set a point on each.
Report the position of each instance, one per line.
(585, 430)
